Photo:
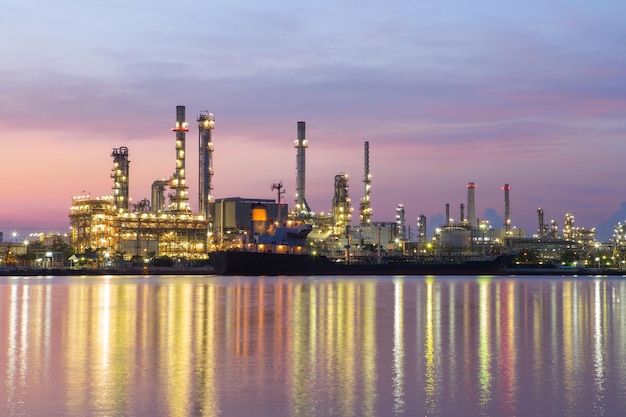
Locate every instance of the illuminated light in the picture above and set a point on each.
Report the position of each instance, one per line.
(398, 348)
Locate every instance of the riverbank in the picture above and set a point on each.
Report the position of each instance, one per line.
(164, 270)
(207, 270)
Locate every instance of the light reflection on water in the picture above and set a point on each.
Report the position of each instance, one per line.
(387, 346)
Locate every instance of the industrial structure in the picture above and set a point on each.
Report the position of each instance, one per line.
(507, 209)
(568, 227)
(341, 211)
(471, 204)
(120, 176)
(111, 225)
(301, 206)
(92, 223)
(165, 225)
(400, 222)
(421, 229)
(233, 216)
(541, 227)
(206, 122)
(179, 198)
(366, 205)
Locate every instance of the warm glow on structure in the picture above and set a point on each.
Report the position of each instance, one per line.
(96, 225)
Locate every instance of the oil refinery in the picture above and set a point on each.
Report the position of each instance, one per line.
(165, 225)
(110, 225)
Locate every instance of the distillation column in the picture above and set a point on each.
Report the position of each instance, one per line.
(366, 208)
(341, 210)
(507, 209)
(400, 223)
(120, 178)
(471, 208)
(302, 208)
(206, 121)
(179, 200)
(568, 227)
(540, 225)
(421, 228)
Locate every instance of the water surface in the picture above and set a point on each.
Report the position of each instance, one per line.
(303, 346)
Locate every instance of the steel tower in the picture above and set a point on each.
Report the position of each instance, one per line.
(471, 207)
(206, 122)
(279, 186)
(421, 228)
(179, 200)
(120, 178)
(366, 208)
(341, 210)
(302, 208)
(568, 227)
(400, 222)
(507, 209)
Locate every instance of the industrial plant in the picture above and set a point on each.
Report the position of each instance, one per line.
(165, 225)
(111, 226)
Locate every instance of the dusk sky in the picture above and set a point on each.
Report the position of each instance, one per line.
(528, 93)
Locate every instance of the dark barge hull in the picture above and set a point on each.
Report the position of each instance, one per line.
(264, 263)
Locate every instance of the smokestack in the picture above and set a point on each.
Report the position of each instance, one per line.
(507, 209)
(302, 208)
(471, 208)
(540, 222)
(462, 207)
(447, 214)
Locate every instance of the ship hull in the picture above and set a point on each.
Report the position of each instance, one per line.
(273, 264)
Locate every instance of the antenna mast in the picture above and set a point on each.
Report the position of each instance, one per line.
(279, 186)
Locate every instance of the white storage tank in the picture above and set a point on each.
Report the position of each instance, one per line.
(455, 237)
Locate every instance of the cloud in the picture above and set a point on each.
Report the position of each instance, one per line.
(528, 94)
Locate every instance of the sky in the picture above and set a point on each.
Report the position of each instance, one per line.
(530, 93)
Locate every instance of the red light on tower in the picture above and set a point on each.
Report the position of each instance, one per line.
(180, 127)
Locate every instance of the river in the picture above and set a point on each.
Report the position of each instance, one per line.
(312, 346)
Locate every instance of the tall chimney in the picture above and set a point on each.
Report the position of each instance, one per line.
(507, 209)
(462, 207)
(471, 208)
(302, 207)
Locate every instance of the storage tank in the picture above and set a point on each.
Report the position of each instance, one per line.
(455, 237)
